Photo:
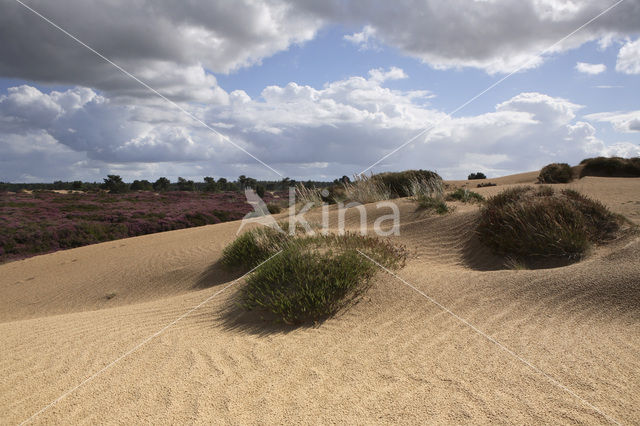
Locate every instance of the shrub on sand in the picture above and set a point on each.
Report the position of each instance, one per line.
(610, 167)
(274, 208)
(529, 222)
(253, 247)
(429, 194)
(555, 173)
(398, 183)
(465, 196)
(366, 189)
(315, 275)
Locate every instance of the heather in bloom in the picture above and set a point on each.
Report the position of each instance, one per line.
(46, 221)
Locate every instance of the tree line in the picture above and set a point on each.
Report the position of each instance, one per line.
(115, 184)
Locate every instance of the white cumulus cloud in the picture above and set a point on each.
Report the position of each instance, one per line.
(628, 61)
(625, 122)
(593, 69)
(303, 131)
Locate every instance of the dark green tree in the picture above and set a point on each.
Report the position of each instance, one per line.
(115, 185)
(162, 184)
(185, 185)
(478, 175)
(223, 184)
(210, 184)
(141, 185)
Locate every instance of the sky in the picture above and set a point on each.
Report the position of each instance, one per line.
(313, 90)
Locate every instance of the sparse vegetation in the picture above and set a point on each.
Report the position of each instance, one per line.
(314, 276)
(465, 196)
(398, 184)
(429, 194)
(478, 175)
(555, 173)
(274, 208)
(485, 184)
(611, 167)
(366, 189)
(306, 195)
(529, 222)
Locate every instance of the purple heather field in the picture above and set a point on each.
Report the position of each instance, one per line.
(47, 221)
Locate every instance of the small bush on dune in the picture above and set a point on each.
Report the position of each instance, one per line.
(555, 173)
(274, 208)
(485, 184)
(611, 167)
(253, 247)
(429, 194)
(399, 183)
(465, 196)
(530, 222)
(314, 276)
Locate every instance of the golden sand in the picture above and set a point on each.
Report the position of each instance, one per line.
(395, 357)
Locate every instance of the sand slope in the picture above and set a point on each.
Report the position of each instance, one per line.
(394, 357)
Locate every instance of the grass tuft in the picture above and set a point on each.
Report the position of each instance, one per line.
(366, 189)
(314, 277)
(429, 194)
(306, 195)
(253, 247)
(534, 222)
(465, 196)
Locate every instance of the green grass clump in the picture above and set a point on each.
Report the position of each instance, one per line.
(433, 204)
(399, 183)
(555, 173)
(465, 196)
(532, 222)
(253, 247)
(429, 194)
(314, 276)
(611, 167)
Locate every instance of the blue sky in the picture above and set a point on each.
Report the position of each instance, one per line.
(329, 58)
(316, 92)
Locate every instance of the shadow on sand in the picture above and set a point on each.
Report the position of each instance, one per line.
(233, 317)
(479, 257)
(214, 275)
(237, 319)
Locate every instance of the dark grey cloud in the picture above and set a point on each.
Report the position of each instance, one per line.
(168, 44)
(497, 36)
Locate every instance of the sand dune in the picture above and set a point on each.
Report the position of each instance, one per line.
(395, 357)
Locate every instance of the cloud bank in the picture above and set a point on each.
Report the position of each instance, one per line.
(321, 133)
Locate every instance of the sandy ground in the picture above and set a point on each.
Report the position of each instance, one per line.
(395, 357)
